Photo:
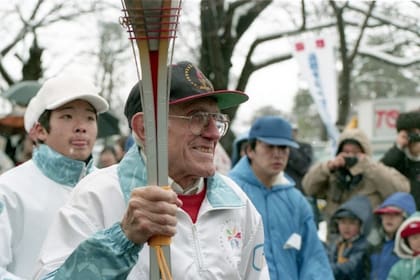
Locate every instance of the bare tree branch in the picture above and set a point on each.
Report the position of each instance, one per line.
(387, 20)
(362, 30)
(245, 21)
(5, 74)
(250, 65)
(54, 15)
(389, 59)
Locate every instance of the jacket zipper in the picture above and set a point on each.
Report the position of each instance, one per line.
(197, 248)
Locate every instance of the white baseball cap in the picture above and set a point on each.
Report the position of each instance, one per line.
(60, 90)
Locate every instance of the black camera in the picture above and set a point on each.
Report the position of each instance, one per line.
(413, 137)
(350, 161)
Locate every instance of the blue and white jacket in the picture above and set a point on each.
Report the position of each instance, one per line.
(87, 242)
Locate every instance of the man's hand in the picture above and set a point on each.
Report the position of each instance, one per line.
(340, 160)
(151, 211)
(337, 162)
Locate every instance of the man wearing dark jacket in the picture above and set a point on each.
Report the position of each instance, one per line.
(300, 159)
(404, 155)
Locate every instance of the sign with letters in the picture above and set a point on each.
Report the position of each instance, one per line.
(385, 116)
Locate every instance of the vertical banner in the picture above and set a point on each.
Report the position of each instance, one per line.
(316, 60)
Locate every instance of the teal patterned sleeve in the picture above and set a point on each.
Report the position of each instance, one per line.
(106, 255)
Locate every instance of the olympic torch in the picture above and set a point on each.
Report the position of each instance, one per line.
(151, 25)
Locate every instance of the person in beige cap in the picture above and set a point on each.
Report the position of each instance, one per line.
(62, 121)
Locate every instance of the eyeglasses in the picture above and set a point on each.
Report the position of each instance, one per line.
(200, 120)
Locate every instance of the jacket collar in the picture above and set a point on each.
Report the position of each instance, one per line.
(132, 173)
(59, 168)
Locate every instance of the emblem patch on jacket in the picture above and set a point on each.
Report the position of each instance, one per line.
(231, 241)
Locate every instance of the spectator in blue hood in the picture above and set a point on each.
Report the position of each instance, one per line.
(392, 213)
(292, 247)
(348, 255)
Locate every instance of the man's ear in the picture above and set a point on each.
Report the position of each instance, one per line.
(39, 132)
(137, 125)
(248, 149)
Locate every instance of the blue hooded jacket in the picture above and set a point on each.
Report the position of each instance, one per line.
(292, 247)
(356, 255)
(384, 256)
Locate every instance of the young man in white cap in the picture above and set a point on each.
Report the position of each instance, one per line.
(102, 232)
(292, 247)
(62, 121)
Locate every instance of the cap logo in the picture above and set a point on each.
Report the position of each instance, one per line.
(196, 78)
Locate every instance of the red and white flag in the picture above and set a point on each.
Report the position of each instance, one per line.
(316, 60)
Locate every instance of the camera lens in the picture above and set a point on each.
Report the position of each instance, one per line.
(350, 161)
(413, 137)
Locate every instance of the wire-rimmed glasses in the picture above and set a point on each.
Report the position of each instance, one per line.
(200, 120)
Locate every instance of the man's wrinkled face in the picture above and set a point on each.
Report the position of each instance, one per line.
(190, 155)
(73, 130)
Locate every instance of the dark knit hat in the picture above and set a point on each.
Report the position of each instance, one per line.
(187, 83)
(408, 120)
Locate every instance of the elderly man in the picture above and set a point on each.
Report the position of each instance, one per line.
(216, 231)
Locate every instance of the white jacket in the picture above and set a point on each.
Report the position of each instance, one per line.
(226, 242)
(30, 196)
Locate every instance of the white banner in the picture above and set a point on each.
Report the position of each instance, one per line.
(317, 64)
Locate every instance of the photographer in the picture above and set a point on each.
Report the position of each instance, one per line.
(404, 155)
(353, 171)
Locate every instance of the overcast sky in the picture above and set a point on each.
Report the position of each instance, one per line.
(67, 44)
